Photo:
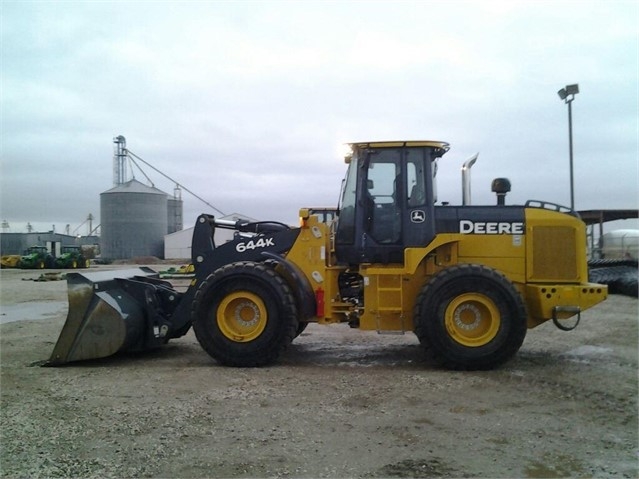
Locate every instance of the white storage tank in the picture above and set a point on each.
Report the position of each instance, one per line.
(620, 244)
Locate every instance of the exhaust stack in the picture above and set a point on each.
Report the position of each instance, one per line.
(468, 164)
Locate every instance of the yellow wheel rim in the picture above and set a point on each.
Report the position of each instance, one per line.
(472, 319)
(242, 316)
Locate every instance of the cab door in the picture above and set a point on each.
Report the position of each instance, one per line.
(387, 205)
(418, 204)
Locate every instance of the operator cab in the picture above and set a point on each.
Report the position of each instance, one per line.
(387, 200)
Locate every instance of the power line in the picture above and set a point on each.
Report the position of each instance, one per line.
(141, 171)
(129, 152)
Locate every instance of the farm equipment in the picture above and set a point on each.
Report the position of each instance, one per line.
(71, 257)
(467, 280)
(10, 261)
(37, 257)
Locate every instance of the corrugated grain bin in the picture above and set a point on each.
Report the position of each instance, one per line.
(133, 221)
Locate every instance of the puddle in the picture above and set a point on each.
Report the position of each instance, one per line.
(31, 310)
(588, 351)
(585, 354)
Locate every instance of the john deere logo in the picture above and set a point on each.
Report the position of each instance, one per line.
(417, 216)
(491, 227)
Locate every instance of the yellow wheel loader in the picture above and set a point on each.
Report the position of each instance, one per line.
(469, 281)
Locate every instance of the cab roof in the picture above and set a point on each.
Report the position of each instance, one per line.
(399, 144)
(440, 147)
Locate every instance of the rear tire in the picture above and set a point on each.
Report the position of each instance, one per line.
(470, 317)
(244, 315)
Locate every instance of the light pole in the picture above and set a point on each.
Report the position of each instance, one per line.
(568, 95)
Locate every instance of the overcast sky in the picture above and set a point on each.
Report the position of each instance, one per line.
(247, 103)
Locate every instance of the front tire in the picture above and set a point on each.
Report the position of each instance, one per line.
(470, 317)
(244, 315)
(300, 328)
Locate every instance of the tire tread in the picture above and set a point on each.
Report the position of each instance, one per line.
(430, 296)
(284, 298)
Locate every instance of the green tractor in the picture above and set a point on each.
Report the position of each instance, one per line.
(72, 257)
(37, 257)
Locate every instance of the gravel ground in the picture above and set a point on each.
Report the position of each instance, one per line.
(340, 403)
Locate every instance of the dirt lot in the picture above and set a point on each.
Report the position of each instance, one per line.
(340, 403)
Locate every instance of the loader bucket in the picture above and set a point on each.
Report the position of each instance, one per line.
(103, 318)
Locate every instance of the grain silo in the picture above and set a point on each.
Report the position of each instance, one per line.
(134, 220)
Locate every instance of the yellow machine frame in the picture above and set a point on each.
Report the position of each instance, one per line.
(551, 284)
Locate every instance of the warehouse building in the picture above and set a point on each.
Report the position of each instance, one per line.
(17, 243)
